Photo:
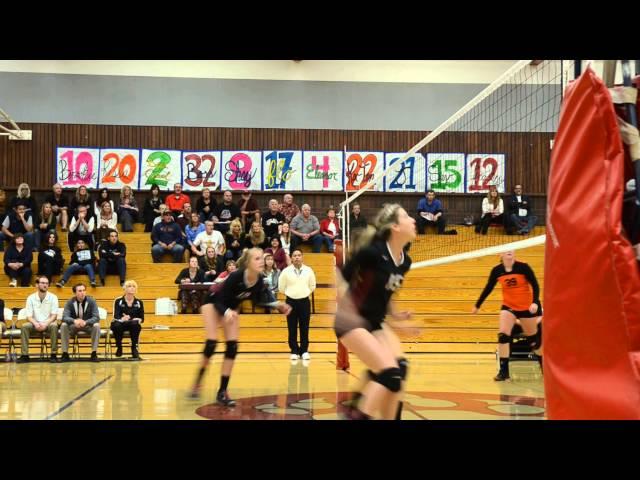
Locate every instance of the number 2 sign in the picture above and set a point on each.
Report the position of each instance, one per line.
(484, 171)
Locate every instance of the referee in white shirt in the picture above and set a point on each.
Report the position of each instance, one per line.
(298, 282)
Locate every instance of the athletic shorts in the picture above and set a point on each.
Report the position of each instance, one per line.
(523, 313)
(348, 318)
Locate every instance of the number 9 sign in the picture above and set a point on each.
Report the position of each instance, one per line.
(119, 168)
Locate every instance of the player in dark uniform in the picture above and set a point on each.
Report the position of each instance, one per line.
(374, 272)
(520, 301)
(221, 308)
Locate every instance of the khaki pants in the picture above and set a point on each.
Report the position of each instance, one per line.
(67, 331)
(28, 330)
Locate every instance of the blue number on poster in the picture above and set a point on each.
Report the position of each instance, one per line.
(278, 173)
(400, 180)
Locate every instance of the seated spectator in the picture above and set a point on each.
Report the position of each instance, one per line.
(272, 219)
(166, 237)
(208, 238)
(519, 216)
(211, 264)
(175, 201)
(128, 210)
(306, 229)
(151, 208)
(289, 209)
(492, 211)
(229, 268)
(163, 208)
(234, 240)
(24, 198)
(79, 199)
(103, 196)
(286, 238)
(192, 274)
(81, 228)
(183, 220)
(330, 229)
(224, 213)
(45, 222)
(17, 222)
(356, 220)
(205, 205)
(42, 313)
(248, 210)
(60, 205)
(107, 222)
(50, 259)
(192, 230)
(17, 261)
(430, 212)
(113, 255)
(82, 260)
(271, 274)
(80, 315)
(128, 316)
(256, 237)
(279, 255)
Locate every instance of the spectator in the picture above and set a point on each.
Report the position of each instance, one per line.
(50, 259)
(82, 260)
(298, 282)
(430, 212)
(17, 261)
(224, 213)
(3, 205)
(128, 210)
(271, 274)
(192, 230)
(166, 237)
(112, 258)
(234, 240)
(24, 198)
(80, 315)
(79, 199)
(107, 222)
(183, 220)
(356, 220)
(17, 222)
(306, 229)
(128, 316)
(492, 210)
(205, 205)
(330, 229)
(256, 237)
(42, 311)
(81, 228)
(103, 196)
(208, 238)
(163, 208)
(229, 268)
(46, 222)
(60, 205)
(286, 238)
(151, 208)
(176, 200)
(281, 259)
(289, 209)
(192, 274)
(249, 210)
(272, 219)
(211, 264)
(519, 213)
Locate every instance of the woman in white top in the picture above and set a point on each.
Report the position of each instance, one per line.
(107, 222)
(103, 196)
(492, 210)
(285, 238)
(128, 209)
(81, 227)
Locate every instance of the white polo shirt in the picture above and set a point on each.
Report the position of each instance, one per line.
(40, 310)
(296, 283)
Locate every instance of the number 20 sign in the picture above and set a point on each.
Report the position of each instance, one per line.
(119, 167)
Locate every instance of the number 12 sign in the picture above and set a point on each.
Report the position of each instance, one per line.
(485, 170)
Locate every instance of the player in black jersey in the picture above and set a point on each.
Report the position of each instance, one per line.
(374, 272)
(221, 308)
(520, 301)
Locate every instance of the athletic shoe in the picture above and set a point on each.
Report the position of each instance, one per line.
(223, 399)
(500, 377)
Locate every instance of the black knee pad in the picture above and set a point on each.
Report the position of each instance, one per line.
(533, 341)
(391, 379)
(232, 349)
(209, 348)
(504, 338)
(403, 363)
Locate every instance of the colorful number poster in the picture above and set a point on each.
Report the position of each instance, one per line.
(323, 170)
(201, 169)
(360, 168)
(241, 170)
(484, 170)
(282, 170)
(407, 176)
(445, 172)
(76, 166)
(160, 167)
(119, 167)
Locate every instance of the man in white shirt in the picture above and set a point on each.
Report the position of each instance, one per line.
(42, 309)
(208, 238)
(297, 282)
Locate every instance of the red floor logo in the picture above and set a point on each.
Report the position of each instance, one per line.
(417, 405)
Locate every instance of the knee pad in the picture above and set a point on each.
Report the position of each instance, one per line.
(232, 349)
(533, 341)
(209, 348)
(391, 379)
(403, 363)
(504, 338)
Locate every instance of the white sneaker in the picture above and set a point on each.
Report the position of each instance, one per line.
(294, 356)
(306, 356)
(13, 283)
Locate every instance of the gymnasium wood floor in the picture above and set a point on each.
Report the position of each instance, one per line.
(452, 359)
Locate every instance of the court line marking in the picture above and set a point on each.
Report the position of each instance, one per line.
(71, 402)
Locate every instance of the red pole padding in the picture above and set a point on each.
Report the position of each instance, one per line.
(342, 359)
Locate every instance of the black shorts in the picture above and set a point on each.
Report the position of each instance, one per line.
(523, 313)
(348, 318)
